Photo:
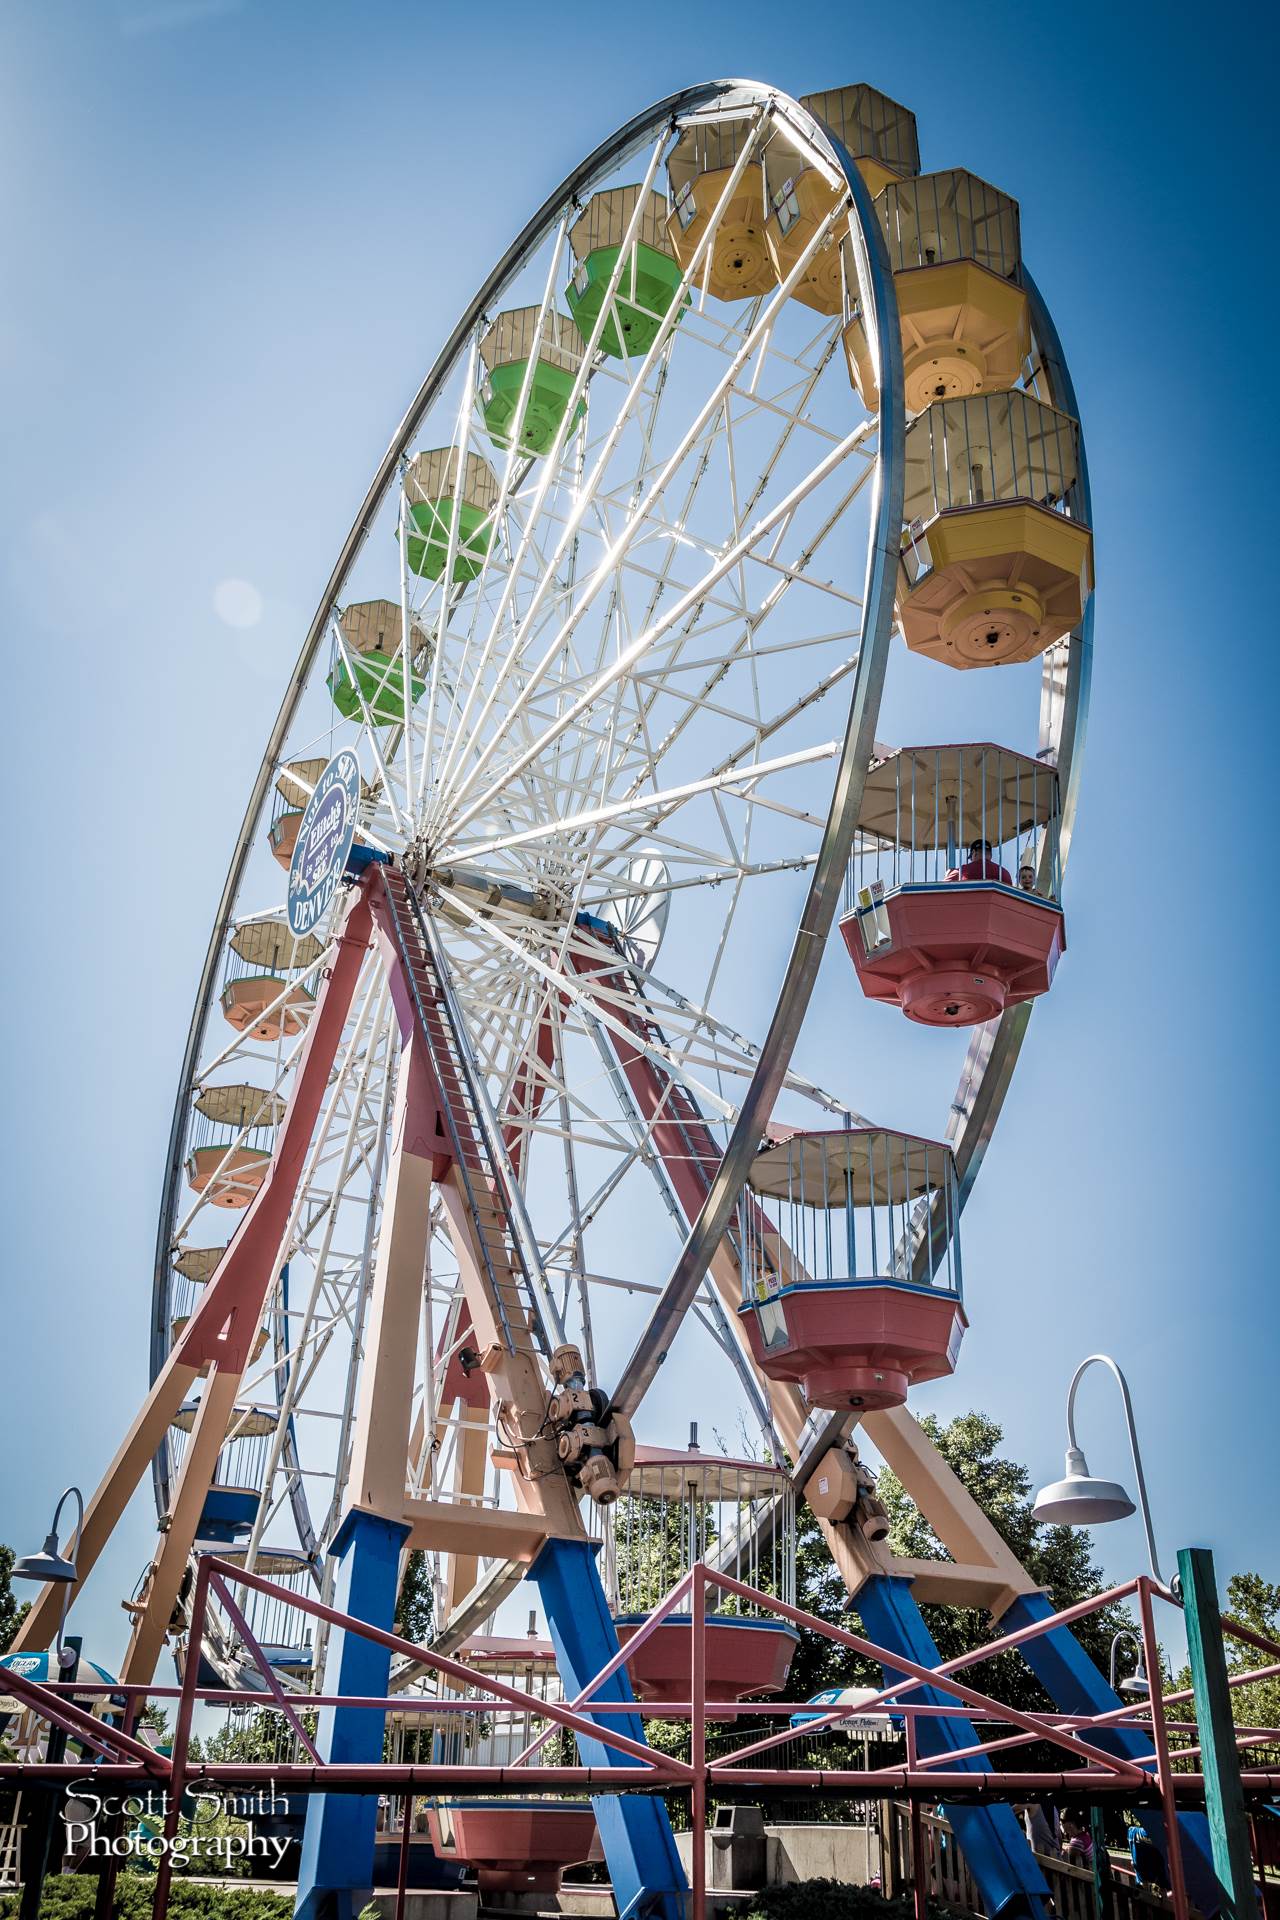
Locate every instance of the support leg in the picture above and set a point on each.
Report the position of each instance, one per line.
(990, 1838)
(635, 1832)
(220, 1331)
(1074, 1684)
(338, 1839)
(217, 1403)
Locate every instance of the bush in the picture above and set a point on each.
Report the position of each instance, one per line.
(71, 1896)
(835, 1900)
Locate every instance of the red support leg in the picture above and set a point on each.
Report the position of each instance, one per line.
(1160, 1740)
(698, 1755)
(181, 1741)
(402, 1872)
(919, 1857)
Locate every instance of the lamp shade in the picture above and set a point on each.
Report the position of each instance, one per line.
(1080, 1500)
(47, 1565)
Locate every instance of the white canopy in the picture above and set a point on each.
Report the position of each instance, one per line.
(979, 791)
(869, 1166)
(241, 1106)
(297, 792)
(273, 1563)
(244, 1422)
(198, 1263)
(670, 1473)
(271, 945)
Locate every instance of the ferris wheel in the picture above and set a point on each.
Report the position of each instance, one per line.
(754, 419)
(607, 641)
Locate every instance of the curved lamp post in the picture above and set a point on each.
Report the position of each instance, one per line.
(1079, 1499)
(51, 1566)
(1135, 1684)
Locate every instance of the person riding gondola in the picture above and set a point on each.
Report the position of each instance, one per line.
(981, 865)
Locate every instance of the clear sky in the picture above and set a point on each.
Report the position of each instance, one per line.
(233, 235)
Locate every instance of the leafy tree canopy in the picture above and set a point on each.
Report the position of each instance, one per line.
(255, 1736)
(12, 1611)
(414, 1602)
(1255, 1603)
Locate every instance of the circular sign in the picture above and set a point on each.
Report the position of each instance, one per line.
(324, 841)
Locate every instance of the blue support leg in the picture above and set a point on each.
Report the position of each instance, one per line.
(1074, 1684)
(340, 1831)
(634, 1831)
(990, 1838)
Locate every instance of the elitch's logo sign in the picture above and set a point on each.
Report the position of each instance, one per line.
(324, 841)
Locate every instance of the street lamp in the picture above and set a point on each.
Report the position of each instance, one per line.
(1081, 1500)
(50, 1567)
(1135, 1684)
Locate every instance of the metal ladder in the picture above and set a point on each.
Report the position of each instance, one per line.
(470, 1126)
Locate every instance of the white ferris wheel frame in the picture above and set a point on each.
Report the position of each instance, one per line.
(426, 784)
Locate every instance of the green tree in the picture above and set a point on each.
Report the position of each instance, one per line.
(12, 1611)
(651, 1549)
(414, 1602)
(1255, 1603)
(261, 1735)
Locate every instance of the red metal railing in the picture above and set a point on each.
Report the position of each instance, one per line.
(1090, 1773)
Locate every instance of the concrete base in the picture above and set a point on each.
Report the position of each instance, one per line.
(584, 1902)
(426, 1904)
(802, 1852)
(588, 1900)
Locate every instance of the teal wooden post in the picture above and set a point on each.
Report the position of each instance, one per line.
(1219, 1756)
(1101, 1864)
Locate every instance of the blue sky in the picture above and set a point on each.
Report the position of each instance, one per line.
(234, 234)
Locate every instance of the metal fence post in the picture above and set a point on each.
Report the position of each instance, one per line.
(38, 1842)
(406, 1841)
(1160, 1740)
(1101, 1863)
(1220, 1758)
(114, 1828)
(180, 1755)
(919, 1858)
(698, 1740)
